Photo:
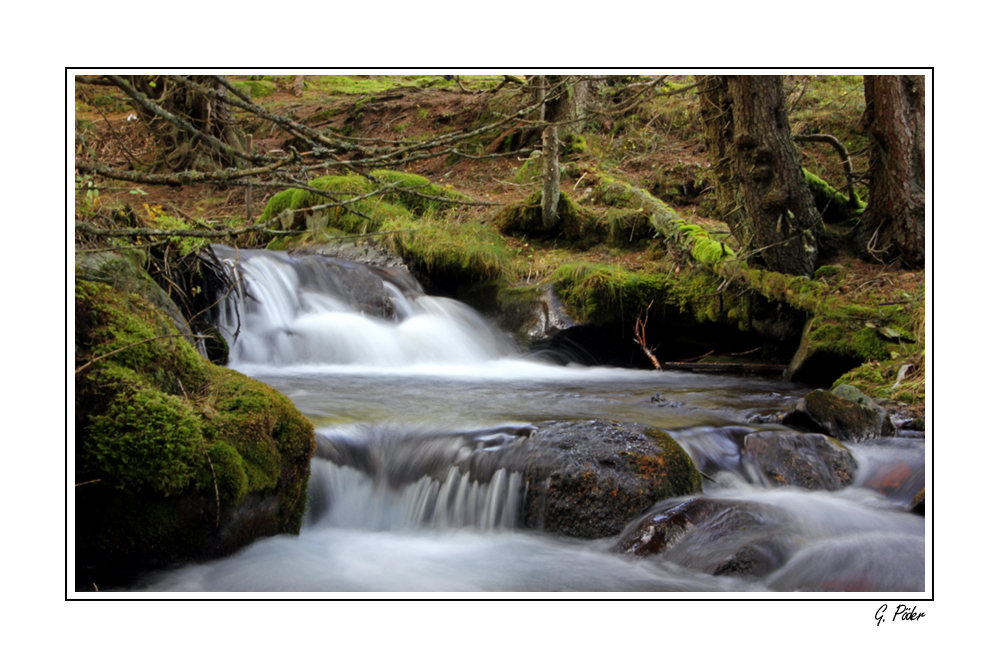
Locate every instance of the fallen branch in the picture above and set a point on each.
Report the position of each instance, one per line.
(640, 337)
(182, 177)
(88, 228)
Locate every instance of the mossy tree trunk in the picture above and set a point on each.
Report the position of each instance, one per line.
(893, 224)
(179, 148)
(761, 188)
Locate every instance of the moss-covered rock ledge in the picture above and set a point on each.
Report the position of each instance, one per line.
(176, 459)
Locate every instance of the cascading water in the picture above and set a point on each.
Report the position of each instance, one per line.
(316, 310)
(406, 389)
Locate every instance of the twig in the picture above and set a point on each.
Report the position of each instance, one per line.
(89, 481)
(640, 337)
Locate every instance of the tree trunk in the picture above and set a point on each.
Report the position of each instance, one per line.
(550, 178)
(179, 149)
(551, 111)
(762, 191)
(893, 224)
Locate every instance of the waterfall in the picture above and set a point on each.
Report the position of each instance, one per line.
(288, 310)
(342, 497)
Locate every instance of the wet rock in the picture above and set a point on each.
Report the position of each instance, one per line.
(716, 536)
(917, 504)
(857, 418)
(901, 481)
(871, 562)
(806, 460)
(774, 417)
(590, 478)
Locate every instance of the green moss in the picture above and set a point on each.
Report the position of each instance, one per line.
(828, 271)
(146, 439)
(525, 219)
(451, 247)
(665, 222)
(154, 420)
(573, 144)
(415, 196)
(832, 205)
(839, 339)
(703, 247)
(530, 171)
(682, 476)
(627, 227)
(256, 88)
(230, 473)
(604, 294)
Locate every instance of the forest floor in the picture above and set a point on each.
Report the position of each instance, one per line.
(657, 147)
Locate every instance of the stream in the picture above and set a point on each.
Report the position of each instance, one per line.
(401, 385)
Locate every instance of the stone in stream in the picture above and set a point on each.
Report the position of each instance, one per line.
(583, 479)
(844, 414)
(807, 460)
(716, 536)
(590, 478)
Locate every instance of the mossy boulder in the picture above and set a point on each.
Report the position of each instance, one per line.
(403, 196)
(841, 418)
(176, 459)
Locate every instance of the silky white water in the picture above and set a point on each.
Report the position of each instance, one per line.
(397, 401)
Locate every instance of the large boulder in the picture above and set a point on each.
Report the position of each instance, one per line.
(842, 414)
(589, 479)
(176, 459)
(807, 460)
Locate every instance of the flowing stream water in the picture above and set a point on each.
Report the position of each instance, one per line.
(403, 393)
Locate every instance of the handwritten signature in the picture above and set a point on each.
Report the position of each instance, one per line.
(903, 613)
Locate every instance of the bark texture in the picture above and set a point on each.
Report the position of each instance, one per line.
(893, 224)
(762, 191)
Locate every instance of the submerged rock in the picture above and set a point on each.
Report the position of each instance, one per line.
(810, 461)
(717, 536)
(853, 418)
